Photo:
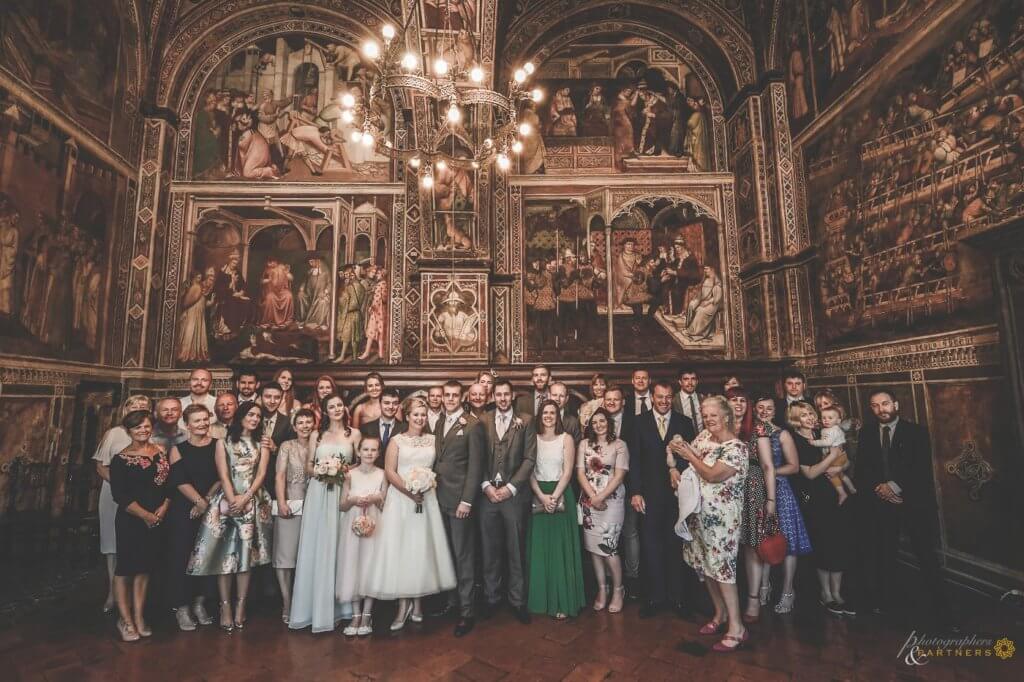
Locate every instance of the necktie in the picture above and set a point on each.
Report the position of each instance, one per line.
(644, 406)
(662, 427)
(448, 423)
(385, 435)
(886, 445)
(694, 414)
(501, 425)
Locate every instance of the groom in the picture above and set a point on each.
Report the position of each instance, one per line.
(511, 450)
(459, 442)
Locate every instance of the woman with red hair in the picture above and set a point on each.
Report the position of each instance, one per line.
(322, 387)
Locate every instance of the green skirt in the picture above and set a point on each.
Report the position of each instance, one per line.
(553, 555)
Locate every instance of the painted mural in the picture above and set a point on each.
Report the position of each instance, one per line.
(71, 53)
(259, 285)
(273, 112)
(929, 159)
(657, 286)
(618, 103)
(57, 210)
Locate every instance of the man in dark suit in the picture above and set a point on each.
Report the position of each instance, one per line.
(528, 402)
(276, 426)
(460, 444)
(511, 452)
(388, 425)
(794, 384)
(651, 483)
(559, 392)
(896, 491)
(638, 402)
(687, 401)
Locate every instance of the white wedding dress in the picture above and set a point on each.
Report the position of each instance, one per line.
(411, 557)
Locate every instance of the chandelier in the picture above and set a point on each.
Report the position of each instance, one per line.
(467, 124)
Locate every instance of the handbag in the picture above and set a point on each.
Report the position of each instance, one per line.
(772, 549)
(294, 505)
(538, 508)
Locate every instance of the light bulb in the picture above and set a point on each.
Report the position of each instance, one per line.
(519, 75)
(367, 139)
(387, 143)
(346, 115)
(517, 147)
(441, 164)
(528, 68)
(371, 49)
(427, 181)
(409, 61)
(440, 66)
(388, 31)
(488, 142)
(454, 114)
(537, 95)
(503, 162)
(414, 162)
(475, 164)
(348, 100)
(525, 129)
(355, 136)
(476, 74)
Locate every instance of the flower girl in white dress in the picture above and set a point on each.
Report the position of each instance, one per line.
(411, 557)
(361, 497)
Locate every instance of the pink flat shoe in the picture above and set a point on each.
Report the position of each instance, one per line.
(712, 628)
(724, 648)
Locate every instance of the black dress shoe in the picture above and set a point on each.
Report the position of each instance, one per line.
(464, 627)
(487, 610)
(522, 615)
(632, 589)
(834, 608)
(650, 609)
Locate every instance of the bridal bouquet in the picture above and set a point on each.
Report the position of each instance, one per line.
(363, 526)
(330, 471)
(418, 481)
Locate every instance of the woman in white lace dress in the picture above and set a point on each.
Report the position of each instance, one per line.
(411, 557)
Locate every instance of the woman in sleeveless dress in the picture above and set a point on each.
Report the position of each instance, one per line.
(314, 602)
(411, 559)
(237, 529)
(290, 483)
(362, 496)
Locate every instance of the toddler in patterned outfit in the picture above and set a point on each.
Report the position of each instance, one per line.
(833, 436)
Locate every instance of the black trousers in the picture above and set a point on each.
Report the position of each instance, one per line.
(879, 542)
(661, 552)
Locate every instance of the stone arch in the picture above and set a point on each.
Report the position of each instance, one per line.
(677, 197)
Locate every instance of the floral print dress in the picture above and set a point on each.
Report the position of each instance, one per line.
(601, 528)
(234, 544)
(716, 528)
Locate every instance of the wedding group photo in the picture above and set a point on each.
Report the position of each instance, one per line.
(511, 340)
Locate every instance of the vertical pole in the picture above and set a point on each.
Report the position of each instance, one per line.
(611, 295)
(336, 235)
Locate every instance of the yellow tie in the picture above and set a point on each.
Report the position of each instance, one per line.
(661, 426)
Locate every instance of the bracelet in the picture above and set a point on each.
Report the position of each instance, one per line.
(770, 499)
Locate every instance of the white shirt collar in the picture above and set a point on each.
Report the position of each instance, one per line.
(454, 415)
(891, 425)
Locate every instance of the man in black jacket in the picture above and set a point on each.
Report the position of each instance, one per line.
(894, 480)
(651, 483)
(794, 384)
(276, 426)
(387, 426)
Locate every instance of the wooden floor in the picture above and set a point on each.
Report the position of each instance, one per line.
(74, 642)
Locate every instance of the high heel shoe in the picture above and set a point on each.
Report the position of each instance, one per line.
(399, 623)
(785, 604)
(723, 648)
(416, 617)
(366, 627)
(225, 609)
(352, 629)
(765, 594)
(239, 622)
(127, 630)
(144, 630)
(602, 598)
(747, 618)
(712, 627)
(618, 595)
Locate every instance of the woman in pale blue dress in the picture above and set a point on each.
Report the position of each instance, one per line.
(314, 602)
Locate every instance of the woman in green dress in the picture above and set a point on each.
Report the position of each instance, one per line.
(553, 542)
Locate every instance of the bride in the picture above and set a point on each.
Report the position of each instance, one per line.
(411, 556)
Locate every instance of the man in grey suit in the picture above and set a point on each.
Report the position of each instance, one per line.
(460, 443)
(511, 442)
(559, 392)
(528, 402)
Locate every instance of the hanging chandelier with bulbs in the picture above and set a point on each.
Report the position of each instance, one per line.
(468, 126)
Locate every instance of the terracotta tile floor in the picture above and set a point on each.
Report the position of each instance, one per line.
(71, 641)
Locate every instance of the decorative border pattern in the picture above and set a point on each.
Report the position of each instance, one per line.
(172, 279)
(434, 282)
(119, 306)
(793, 222)
(769, 250)
(500, 307)
(508, 220)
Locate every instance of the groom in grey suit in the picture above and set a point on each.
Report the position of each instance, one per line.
(460, 443)
(511, 451)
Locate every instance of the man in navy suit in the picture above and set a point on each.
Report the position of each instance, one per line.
(651, 484)
(894, 481)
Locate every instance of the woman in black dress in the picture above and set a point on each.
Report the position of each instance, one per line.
(194, 475)
(138, 482)
(829, 523)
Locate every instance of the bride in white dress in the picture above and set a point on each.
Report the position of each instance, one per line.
(411, 557)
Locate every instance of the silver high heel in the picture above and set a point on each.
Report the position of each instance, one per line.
(398, 624)
(225, 608)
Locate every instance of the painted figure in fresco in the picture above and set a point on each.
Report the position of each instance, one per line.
(210, 126)
(532, 158)
(462, 14)
(562, 113)
(626, 264)
(254, 161)
(539, 295)
(315, 296)
(571, 299)
(349, 329)
(836, 41)
(317, 146)
(681, 273)
(376, 321)
(455, 327)
(596, 115)
(859, 24)
(192, 339)
(346, 62)
(453, 193)
(698, 145)
(657, 124)
(234, 307)
(268, 114)
(677, 110)
(703, 310)
(277, 308)
(622, 123)
(55, 322)
(91, 313)
(8, 254)
(796, 80)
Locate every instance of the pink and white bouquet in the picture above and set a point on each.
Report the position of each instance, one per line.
(418, 481)
(330, 471)
(363, 526)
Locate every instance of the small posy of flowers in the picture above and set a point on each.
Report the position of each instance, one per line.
(517, 423)
(418, 481)
(330, 471)
(363, 526)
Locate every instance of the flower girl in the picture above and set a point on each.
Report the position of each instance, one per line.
(362, 496)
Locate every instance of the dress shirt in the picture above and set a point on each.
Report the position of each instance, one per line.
(691, 408)
(208, 400)
(507, 417)
(639, 403)
(433, 418)
(450, 420)
(892, 438)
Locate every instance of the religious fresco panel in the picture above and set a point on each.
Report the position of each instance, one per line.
(904, 176)
(617, 103)
(273, 112)
(454, 316)
(58, 208)
(258, 285)
(659, 291)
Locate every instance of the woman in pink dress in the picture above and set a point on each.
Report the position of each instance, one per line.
(377, 317)
(278, 305)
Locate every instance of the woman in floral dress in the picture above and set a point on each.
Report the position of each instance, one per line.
(602, 461)
(237, 528)
(720, 460)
